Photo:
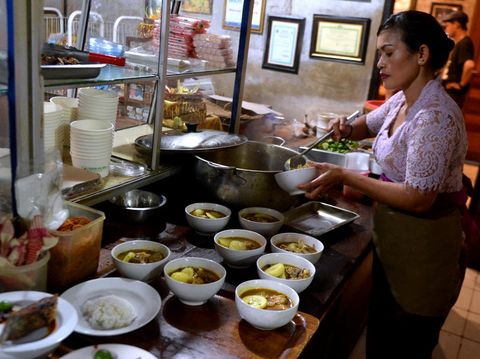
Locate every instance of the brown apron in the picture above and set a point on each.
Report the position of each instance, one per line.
(421, 258)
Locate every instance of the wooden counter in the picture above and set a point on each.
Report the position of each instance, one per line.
(332, 310)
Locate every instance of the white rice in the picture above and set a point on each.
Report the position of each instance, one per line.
(108, 312)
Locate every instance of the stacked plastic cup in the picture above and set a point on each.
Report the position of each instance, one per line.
(70, 113)
(97, 105)
(91, 145)
(53, 130)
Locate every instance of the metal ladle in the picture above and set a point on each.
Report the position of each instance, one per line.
(299, 160)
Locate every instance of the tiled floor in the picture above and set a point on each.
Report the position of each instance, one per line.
(460, 335)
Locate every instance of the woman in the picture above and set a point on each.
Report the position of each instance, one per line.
(421, 145)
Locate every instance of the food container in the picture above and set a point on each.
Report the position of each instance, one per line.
(28, 277)
(77, 253)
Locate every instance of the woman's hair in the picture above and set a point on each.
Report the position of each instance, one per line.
(419, 28)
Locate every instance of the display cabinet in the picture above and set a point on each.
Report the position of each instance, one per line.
(117, 22)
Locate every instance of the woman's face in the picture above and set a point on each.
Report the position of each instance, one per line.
(398, 67)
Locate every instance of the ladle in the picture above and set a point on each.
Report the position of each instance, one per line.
(299, 160)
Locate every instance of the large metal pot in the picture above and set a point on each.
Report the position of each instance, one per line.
(243, 176)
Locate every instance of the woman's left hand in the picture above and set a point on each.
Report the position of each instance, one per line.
(329, 176)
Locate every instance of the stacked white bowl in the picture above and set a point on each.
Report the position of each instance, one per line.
(97, 105)
(53, 131)
(70, 113)
(91, 145)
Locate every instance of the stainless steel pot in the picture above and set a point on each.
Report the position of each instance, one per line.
(243, 176)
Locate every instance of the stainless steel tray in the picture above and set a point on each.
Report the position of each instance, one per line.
(317, 218)
(80, 71)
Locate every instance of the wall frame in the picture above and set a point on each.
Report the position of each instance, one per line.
(197, 6)
(440, 9)
(284, 43)
(339, 38)
(232, 15)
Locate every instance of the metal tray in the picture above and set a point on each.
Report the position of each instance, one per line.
(80, 71)
(317, 218)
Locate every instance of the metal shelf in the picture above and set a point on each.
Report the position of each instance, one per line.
(114, 185)
(111, 74)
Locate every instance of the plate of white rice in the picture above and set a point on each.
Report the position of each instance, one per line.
(113, 306)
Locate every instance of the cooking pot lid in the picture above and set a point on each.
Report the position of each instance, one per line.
(192, 142)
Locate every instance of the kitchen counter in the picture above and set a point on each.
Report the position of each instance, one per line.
(337, 298)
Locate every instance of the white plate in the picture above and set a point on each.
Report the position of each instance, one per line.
(66, 321)
(143, 297)
(122, 351)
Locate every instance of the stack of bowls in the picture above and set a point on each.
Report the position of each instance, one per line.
(97, 105)
(70, 113)
(52, 127)
(91, 145)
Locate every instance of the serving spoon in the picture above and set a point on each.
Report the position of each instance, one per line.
(299, 160)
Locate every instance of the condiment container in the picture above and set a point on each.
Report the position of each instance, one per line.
(77, 253)
(27, 277)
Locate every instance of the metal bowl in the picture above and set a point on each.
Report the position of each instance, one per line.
(138, 206)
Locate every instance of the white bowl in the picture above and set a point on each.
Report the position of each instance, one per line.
(239, 258)
(262, 318)
(289, 180)
(299, 285)
(296, 237)
(65, 102)
(66, 321)
(265, 228)
(89, 127)
(145, 272)
(194, 294)
(207, 226)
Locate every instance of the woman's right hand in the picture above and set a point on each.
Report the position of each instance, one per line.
(341, 129)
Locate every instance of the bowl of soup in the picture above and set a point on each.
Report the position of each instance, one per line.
(239, 248)
(266, 304)
(207, 218)
(194, 280)
(286, 268)
(299, 244)
(140, 259)
(266, 221)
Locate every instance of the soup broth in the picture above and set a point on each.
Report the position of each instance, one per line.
(269, 299)
(297, 247)
(194, 275)
(141, 256)
(238, 243)
(260, 217)
(207, 213)
(286, 271)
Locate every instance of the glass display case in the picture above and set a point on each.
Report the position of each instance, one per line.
(173, 61)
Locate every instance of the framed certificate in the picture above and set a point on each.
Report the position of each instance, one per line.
(284, 43)
(339, 38)
(232, 15)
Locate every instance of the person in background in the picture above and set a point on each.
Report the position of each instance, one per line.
(420, 145)
(461, 63)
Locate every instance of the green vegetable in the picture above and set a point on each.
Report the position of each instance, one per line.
(103, 354)
(342, 146)
(5, 306)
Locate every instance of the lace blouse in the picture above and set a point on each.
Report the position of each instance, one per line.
(427, 151)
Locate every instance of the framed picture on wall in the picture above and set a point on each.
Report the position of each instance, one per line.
(339, 38)
(440, 9)
(232, 15)
(197, 6)
(284, 43)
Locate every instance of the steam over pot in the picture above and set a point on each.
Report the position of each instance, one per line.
(243, 176)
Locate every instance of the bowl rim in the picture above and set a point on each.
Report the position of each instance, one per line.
(180, 259)
(276, 237)
(116, 250)
(305, 261)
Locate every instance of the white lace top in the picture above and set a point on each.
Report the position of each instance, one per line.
(427, 151)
